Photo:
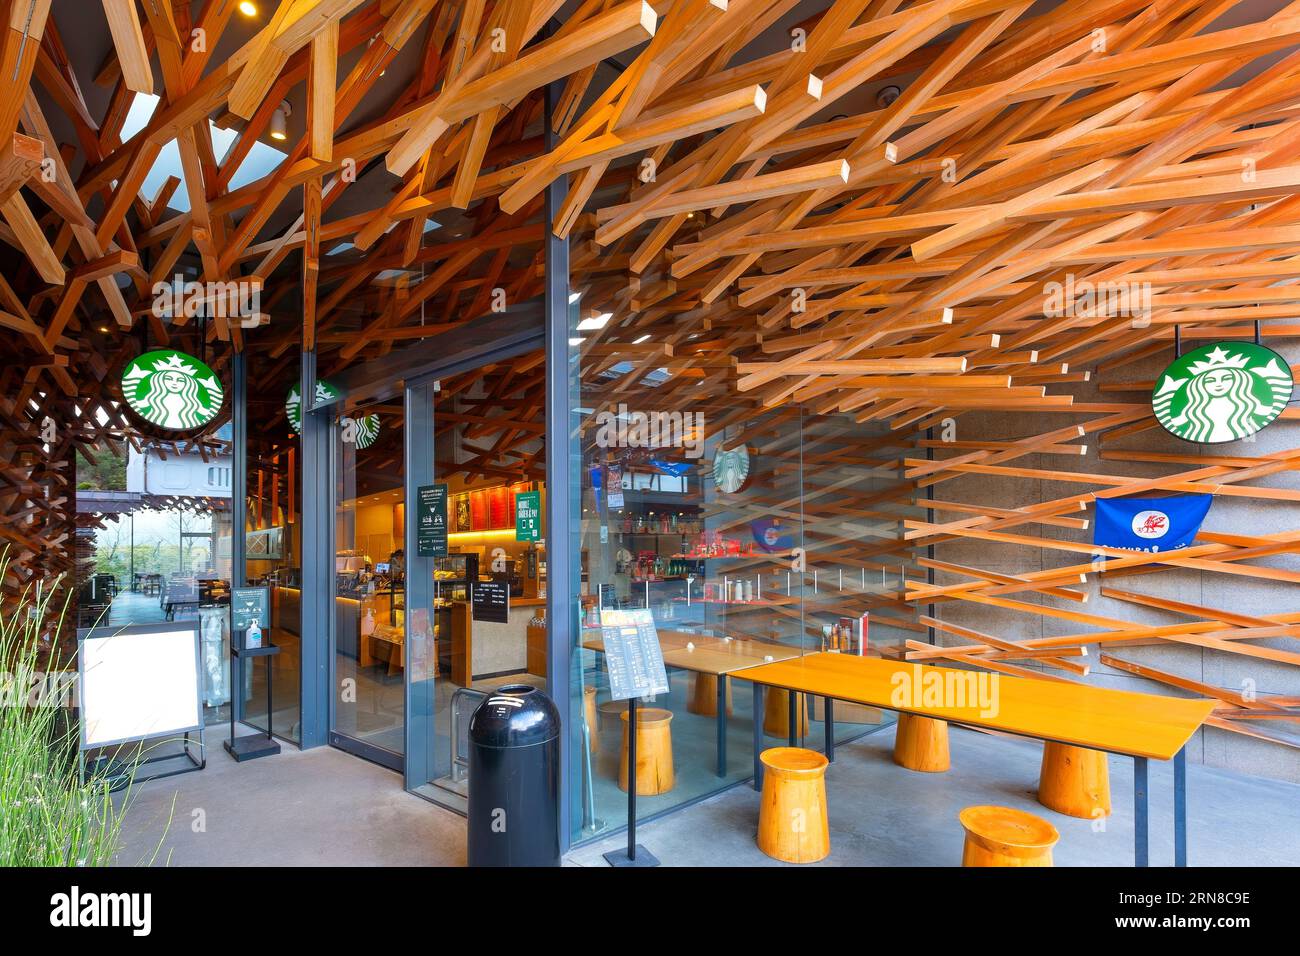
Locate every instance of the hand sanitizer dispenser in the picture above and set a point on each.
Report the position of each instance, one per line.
(253, 636)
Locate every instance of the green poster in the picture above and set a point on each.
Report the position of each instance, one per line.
(528, 516)
(172, 390)
(1222, 392)
(431, 521)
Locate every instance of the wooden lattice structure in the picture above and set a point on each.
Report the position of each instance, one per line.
(851, 208)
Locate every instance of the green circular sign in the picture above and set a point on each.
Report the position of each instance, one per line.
(172, 390)
(367, 428)
(1222, 392)
(293, 403)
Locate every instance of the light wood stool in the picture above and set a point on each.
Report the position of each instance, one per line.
(589, 717)
(792, 824)
(654, 752)
(1001, 836)
(1074, 781)
(921, 743)
(776, 713)
(704, 695)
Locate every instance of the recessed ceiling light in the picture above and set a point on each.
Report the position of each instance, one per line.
(248, 8)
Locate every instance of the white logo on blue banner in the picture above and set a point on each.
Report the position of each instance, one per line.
(1149, 524)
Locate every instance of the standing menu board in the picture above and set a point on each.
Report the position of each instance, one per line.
(491, 601)
(632, 653)
(248, 605)
(431, 521)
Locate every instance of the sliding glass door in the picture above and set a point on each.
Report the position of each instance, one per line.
(370, 659)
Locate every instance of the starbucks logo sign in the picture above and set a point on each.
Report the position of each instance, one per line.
(1222, 392)
(731, 469)
(172, 390)
(363, 431)
(367, 430)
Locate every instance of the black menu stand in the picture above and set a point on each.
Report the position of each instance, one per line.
(635, 854)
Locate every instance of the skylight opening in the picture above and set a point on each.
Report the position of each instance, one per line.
(259, 162)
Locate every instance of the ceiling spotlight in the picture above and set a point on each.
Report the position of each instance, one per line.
(279, 121)
(887, 96)
(248, 8)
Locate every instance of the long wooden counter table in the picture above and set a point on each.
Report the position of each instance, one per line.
(1142, 726)
(704, 654)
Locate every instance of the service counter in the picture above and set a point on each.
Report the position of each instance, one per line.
(487, 648)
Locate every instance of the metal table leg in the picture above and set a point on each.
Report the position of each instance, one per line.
(722, 725)
(1141, 847)
(829, 726)
(1180, 807)
(794, 720)
(758, 735)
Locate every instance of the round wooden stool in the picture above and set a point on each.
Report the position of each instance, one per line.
(792, 824)
(776, 713)
(921, 743)
(1001, 836)
(654, 752)
(704, 696)
(589, 717)
(1074, 781)
(608, 713)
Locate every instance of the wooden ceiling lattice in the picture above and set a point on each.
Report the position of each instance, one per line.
(857, 208)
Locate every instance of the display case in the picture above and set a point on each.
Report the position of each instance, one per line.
(452, 575)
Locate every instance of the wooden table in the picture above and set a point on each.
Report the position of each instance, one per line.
(703, 654)
(1142, 726)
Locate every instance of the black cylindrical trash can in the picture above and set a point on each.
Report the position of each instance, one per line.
(514, 779)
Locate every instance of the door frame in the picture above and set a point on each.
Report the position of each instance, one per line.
(408, 373)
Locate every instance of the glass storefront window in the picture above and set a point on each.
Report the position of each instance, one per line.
(154, 544)
(750, 533)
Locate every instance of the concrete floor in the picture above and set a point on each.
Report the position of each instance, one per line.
(326, 808)
(883, 815)
(320, 807)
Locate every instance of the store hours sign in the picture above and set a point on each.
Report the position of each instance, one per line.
(172, 390)
(1222, 392)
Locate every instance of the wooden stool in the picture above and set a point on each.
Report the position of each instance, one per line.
(1001, 836)
(704, 696)
(608, 713)
(1074, 781)
(776, 713)
(654, 752)
(921, 743)
(792, 824)
(589, 718)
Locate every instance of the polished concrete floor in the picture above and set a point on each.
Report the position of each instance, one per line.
(325, 807)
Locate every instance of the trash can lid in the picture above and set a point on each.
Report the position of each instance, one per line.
(514, 715)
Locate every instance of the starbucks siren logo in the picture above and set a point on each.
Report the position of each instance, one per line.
(172, 390)
(367, 428)
(731, 469)
(1222, 392)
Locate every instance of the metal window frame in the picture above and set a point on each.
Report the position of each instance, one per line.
(561, 477)
(415, 371)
